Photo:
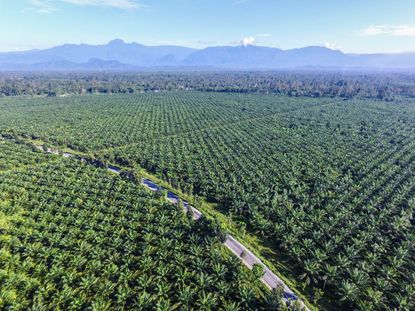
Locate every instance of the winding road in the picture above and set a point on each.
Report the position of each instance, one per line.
(238, 249)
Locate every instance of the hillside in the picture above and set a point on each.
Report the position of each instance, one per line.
(119, 55)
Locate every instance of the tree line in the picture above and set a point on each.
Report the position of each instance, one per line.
(377, 85)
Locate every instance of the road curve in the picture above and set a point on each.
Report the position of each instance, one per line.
(246, 256)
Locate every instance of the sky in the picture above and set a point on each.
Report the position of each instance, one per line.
(353, 26)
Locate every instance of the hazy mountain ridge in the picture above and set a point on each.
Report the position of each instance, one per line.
(118, 55)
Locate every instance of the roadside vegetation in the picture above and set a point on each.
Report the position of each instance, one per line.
(75, 237)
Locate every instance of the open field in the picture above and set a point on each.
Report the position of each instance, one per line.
(329, 183)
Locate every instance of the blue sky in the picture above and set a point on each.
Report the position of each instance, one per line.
(350, 25)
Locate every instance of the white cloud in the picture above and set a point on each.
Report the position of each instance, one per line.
(119, 4)
(248, 41)
(45, 6)
(42, 6)
(331, 46)
(390, 30)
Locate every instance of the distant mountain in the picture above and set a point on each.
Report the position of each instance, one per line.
(235, 57)
(94, 64)
(128, 53)
(257, 57)
(119, 55)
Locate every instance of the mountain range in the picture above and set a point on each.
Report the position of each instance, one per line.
(118, 55)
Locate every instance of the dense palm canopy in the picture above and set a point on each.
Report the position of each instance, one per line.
(74, 237)
(330, 182)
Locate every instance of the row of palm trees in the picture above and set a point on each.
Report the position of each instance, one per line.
(79, 238)
(329, 183)
(332, 185)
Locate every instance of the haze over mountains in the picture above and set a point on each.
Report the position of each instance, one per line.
(119, 55)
